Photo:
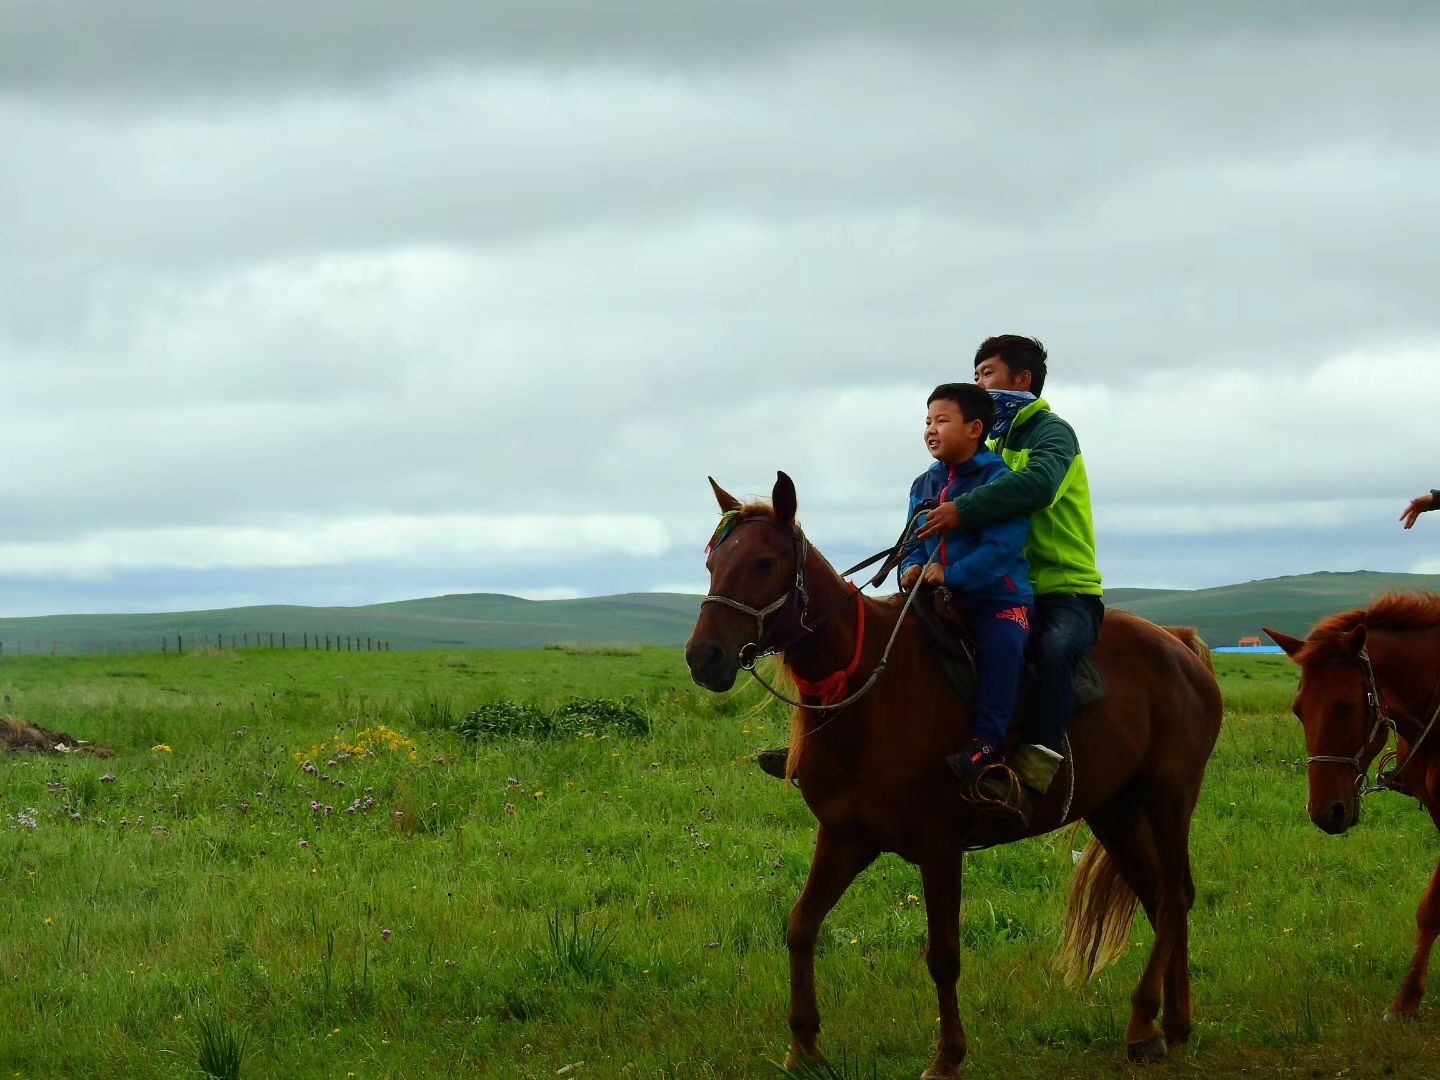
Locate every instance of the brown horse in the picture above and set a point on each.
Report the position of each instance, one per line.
(874, 774)
(1364, 674)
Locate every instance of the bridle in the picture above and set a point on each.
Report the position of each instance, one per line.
(753, 652)
(1379, 720)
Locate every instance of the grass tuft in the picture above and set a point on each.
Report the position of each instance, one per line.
(222, 1047)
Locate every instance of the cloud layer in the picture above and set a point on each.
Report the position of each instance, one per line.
(477, 297)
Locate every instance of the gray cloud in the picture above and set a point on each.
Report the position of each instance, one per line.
(208, 47)
(330, 267)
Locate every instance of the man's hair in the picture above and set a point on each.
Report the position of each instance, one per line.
(973, 402)
(1019, 354)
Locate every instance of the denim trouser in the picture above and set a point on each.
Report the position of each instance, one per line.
(1067, 629)
(1001, 631)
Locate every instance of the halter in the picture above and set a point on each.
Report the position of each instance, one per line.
(1375, 710)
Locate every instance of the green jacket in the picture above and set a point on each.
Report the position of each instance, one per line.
(1049, 483)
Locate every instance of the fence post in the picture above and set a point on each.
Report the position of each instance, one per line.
(164, 646)
(282, 639)
(179, 645)
(327, 642)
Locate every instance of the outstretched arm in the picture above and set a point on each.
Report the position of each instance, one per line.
(1034, 487)
(1418, 507)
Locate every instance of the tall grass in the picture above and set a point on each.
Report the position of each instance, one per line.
(615, 899)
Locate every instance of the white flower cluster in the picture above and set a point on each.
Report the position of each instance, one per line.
(25, 819)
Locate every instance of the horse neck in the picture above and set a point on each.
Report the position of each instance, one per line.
(1406, 672)
(831, 610)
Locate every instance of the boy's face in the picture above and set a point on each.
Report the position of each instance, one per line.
(992, 373)
(948, 435)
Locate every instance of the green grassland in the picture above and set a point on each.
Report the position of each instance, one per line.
(491, 621)
(512, 906)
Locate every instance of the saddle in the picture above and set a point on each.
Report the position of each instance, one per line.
(948, 630)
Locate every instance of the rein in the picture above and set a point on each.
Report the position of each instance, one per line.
(1380, 719)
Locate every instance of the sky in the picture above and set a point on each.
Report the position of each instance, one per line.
(337, 302)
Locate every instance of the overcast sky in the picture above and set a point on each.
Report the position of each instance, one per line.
(338, 301)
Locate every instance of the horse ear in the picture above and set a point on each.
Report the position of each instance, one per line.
(1356, 641)
(784, 500)
(727, 501)
(1291, 645)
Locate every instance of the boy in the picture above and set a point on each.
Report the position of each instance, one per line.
(1049, 484)
(985, 565)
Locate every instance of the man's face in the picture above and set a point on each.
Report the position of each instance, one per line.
(948, 435)
(992, 373)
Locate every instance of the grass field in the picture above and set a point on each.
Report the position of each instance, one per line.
(597, 902)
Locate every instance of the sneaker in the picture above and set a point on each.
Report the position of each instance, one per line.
(772, 762)
(970, 762)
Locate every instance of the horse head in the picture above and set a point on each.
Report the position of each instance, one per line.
(1344, 726)
(756, 561)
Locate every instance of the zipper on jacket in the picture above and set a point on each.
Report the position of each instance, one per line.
(943, 492)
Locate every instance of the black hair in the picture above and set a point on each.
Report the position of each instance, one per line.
(1018, 354)
(974, 403)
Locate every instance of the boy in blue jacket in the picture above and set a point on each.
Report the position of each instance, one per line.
(984, 565)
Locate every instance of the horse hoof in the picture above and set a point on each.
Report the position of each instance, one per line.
(803, 1061)
(1395, 1016)
(1151, 1050)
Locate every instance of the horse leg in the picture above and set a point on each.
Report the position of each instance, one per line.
(1170, 815)
(942, 880)
(835, 865)
(1124, 830)
(1427, 924)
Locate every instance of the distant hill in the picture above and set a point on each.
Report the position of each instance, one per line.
(492, 621)
(467, 621)
(1293, 604)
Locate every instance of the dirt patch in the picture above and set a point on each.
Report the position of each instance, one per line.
(19, 736)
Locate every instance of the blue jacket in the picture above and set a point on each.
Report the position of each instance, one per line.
(985, 563)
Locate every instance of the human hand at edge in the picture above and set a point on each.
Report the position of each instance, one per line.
(1416, 508)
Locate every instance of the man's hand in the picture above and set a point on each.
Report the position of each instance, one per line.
(934, 574)
(908, 577)
(943, 518)
(1413, 511)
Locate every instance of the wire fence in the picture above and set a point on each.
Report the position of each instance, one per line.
(179, 644)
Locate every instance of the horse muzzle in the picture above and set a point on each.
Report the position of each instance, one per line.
(711, 665)
(1335, 816)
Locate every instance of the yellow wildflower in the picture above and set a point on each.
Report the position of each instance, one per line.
(161, 748)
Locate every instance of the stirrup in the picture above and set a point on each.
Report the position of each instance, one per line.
(997, 788)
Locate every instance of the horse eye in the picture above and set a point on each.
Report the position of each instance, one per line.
(764, 566)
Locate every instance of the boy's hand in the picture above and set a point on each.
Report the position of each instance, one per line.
(1413, 511)
(944, 518)
(934, 574)
(908, 577)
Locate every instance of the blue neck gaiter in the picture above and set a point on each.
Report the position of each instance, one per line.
(1008, 405)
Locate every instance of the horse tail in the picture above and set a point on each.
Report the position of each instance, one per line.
(1191, 639)
(1097, 924)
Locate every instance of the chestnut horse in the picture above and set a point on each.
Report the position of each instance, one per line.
(874, 773)
(1364, 674)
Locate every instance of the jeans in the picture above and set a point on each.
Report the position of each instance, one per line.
(1068, 627)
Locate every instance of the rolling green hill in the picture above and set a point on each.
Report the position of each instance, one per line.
(491, 621)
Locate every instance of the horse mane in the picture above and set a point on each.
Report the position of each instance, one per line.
(1329, 641)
